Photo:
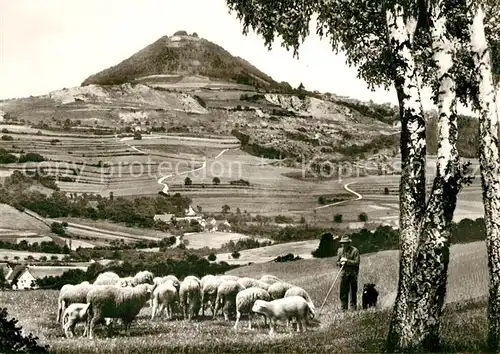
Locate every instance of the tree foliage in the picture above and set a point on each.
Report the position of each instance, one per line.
(12, 339)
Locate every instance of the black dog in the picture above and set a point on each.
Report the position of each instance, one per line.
(370, 296)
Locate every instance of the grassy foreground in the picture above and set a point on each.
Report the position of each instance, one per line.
(464, 323)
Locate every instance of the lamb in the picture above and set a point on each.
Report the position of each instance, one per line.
(226, 297)
(190, 295)
(245, 300)
(106, 278)
(114, 302)
(74, 313)
(270, 279)
(251, 282)
(209, 293)
(284, 309)
(164, 295)
(278, 289)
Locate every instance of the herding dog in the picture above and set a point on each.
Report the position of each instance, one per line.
(370, 295)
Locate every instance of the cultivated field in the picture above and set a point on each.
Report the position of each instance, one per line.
(213, 239)
(36, 311)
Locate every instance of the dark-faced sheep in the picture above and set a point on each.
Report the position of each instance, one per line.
(190, 297)
(245, 300)
(278, 290)
(226, 298)
(284, 310)
(370, 296)
(109, 301)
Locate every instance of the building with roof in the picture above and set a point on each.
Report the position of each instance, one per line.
(27, 278)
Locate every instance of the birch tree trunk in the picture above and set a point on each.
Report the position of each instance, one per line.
(490, 169)
(430, 273)
(412, 185)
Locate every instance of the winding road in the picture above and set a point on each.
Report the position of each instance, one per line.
(346, 187)
(166, 188)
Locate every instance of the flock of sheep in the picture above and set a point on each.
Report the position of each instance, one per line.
(110, 297)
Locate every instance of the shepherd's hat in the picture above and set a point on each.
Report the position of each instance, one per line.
(345, 239)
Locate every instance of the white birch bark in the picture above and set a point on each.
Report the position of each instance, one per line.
(412, 185)
(431, 263)
(489, 166)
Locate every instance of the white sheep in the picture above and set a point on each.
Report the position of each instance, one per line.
(190, 296)
(72, 294)
(106, 278)
(226, 297)
(164, 295)
(284, 309)
(209, 293)
(226, 277)
(159, 280)
(115, 302)
(298, 291)
(251, 282)
(270, 279)
(73, 314)
(245, 300)
(278, 290)
(205, 278)
(144, 277)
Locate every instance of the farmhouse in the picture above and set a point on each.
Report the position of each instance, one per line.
(28, 276)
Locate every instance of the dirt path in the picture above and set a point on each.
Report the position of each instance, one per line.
(346, 187)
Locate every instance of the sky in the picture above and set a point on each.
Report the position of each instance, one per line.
(47, 45)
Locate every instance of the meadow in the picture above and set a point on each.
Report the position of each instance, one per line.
(464, 322)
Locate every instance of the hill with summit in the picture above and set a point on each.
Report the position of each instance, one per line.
(172, 59)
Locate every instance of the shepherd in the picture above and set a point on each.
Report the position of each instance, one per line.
(348, 259)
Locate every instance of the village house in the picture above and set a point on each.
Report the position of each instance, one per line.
(27, 276)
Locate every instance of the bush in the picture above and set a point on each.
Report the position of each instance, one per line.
(386, 191)
(58, 228)
(216, 180)
(235, 254)
(212, 257)
(31, 157)
(326, 247)
(363, 217)
(188, 181)
(7, 138)
(12, 339)
(337, 218)
(287, 258)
